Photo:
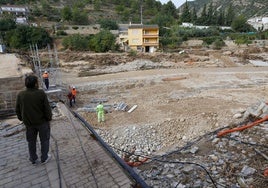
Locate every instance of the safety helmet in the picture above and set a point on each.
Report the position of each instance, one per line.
(73, 87)
(45, 71)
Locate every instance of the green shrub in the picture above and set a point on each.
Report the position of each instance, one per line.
(218, 44)
(210, 40)
(75, 42)
(61, 33)
(103, 42)
(23, 36)
(242, 40)
(132, 53)
(108, 24)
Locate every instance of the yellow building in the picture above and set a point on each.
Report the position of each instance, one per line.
(144, 38)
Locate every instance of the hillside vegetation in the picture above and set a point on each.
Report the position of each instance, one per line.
(57, 16)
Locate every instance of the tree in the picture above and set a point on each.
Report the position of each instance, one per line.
(240, 24)
(7, 24)
(163, 22)
(194, 16)
(108, 24)
(119, 9)
(97, 4)
(170, 9)
(75, 42)
(103, 42)
(230, 15)
(203, 17)
(46, 8)
(66, 13)
(79, 17)
(210, 15)
(22, 36)
(39, 36)
(221, 18)
(186, 14)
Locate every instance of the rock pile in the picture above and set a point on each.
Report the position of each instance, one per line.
(234, 160)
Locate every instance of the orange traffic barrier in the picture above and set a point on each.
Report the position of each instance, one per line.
(137, 163)
(224, 132)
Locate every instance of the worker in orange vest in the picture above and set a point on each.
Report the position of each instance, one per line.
(45, 78)
(74, 91)
(70, 97)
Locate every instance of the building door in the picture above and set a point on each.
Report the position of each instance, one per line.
(147, 48)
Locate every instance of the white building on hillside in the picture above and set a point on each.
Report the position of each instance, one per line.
(21, 13)
(190, 25)
(259, 23)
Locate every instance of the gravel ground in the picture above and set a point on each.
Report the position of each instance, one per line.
(180, 107)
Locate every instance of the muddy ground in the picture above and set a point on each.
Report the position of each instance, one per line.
(187, 93)
(179, 96)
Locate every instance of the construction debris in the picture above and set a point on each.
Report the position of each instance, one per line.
(259, 113)
(122, 106)
(96, 100)
(259, 110)
(132, 109)
(92, 108)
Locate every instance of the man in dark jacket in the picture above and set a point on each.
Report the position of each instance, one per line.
(33, 109)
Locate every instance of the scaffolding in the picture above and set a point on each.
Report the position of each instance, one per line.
(52, 67)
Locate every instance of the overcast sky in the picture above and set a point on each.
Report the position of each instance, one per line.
(177, 3)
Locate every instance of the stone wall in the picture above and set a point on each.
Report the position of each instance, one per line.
(9, 89)
(11, 84)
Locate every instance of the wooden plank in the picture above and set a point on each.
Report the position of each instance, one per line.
(133, 108)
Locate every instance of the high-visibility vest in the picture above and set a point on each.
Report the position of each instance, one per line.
(74, 92)
(45, 75)
(100, 108)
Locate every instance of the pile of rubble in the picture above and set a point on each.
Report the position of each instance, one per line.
(238, 159)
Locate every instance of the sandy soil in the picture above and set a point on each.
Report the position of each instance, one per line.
(182, 99)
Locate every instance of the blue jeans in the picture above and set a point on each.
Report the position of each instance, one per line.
(44, 136)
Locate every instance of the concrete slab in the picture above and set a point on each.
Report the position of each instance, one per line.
(9, 66)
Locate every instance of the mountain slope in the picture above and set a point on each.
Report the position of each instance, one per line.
(249, 8)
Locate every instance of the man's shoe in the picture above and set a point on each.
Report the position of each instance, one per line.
(48, 159)
(34, 163)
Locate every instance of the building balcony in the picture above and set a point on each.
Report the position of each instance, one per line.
(150, 44)
(150, 35)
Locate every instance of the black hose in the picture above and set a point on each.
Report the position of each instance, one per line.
(133, 174)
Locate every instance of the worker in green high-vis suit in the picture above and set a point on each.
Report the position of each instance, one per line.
(100, 112)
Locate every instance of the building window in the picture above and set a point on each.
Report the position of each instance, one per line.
(135, 31)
